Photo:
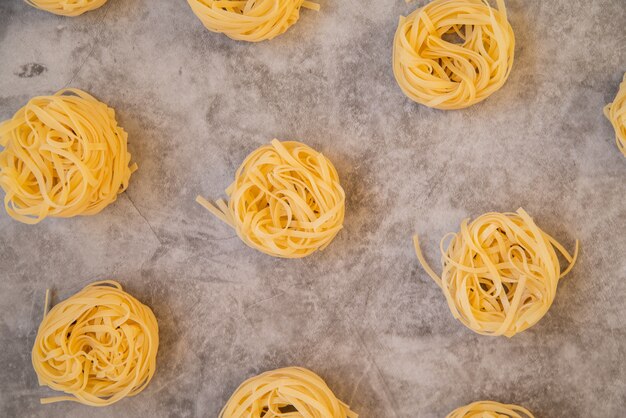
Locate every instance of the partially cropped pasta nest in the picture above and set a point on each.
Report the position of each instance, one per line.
(500, 272)
(249, 20)
(286, 200)
(64, 155)
(433, 69)
(616, 113)
(292, 392)
(490, 409)
(66, 7)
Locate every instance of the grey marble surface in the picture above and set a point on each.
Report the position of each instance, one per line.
(362, 314)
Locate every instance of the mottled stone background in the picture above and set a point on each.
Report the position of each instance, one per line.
(362, 314)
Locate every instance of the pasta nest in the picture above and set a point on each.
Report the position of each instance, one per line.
(500, 272)
(616, 113)
(434, 70)
(66, 7)
(490, 409)
(98, 346)
(249, 20)
(286, 200)
(64, 155)
(292, 392)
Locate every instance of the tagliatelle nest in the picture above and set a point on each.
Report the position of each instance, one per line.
(292, 392)
(98, 346)
(500, 272)
(249, 20)
(434, 70)
(616, 113)
(64, 155)
(286, 200)
(66, 7)
(490, 409)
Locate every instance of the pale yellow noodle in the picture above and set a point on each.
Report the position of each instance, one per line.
(249, 20)
(616, 113)
(500, 272)
(291, 392)
(66, 7)
(434, 70)
(286, 200)
(490, 409)
(97, 346)
(64, 155)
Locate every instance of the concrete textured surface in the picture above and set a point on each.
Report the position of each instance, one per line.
(362, 314)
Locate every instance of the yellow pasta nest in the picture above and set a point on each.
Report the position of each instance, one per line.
(434, 70)
(500, 272)
(98, 346)
(249, 20)
(616, 113)
(64, 155)
(66, 7)
(292, 392)
(490, 409)
(286, 200)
